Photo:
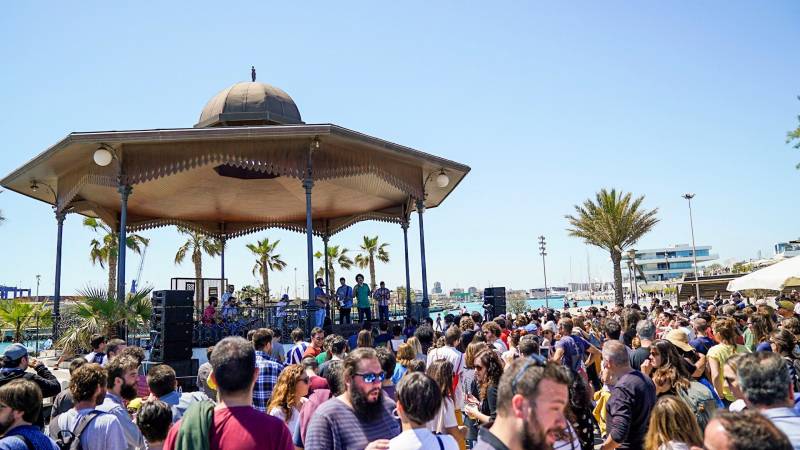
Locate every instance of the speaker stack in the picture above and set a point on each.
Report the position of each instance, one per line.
(496, 296)
(171, 333)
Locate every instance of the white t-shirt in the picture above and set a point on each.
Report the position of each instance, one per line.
(278, 412)
(444, 419)
(456, 358)
(421, 438)
(396, 344)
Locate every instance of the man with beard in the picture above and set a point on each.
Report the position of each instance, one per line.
(531, 400)
(360, 417)
(123, 374)
(100, 431)
(20, 403)
(15, 366)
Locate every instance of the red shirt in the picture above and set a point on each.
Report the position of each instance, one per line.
(504, 336)
(312, 352)
(242, 428)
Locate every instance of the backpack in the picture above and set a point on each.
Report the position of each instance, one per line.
(794, 371)
(71, 440)
(700, 400)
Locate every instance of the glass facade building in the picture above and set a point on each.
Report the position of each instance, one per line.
(668, 263)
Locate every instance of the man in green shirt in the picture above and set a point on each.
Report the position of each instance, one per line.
(362, 293)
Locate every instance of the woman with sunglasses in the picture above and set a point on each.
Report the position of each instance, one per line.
(289, 395)
(488, 370)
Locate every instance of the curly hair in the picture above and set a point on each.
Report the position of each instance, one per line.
(725, 329)
(466, 324)
(472, 351)
(494, 370)
(85, 381)
(283, 396)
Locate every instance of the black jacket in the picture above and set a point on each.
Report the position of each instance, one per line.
(46, 381)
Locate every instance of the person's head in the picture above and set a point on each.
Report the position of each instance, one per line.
(88, 384)
(672, 420)
(441, 370)
(154, 420)
(792, 325)
(725, 330)
(342, 281)
(213, 301)
(161, 380)
(310, 364)
(731, 377)
(744, 430)
(123, 374)
(98, 343)
(782, 342)
(565, 327)
(292, 385)
(424, 335)
(388, 362)
(501, 322)
(615, 356)
(75, 363)
(338, 346)
(363, 376)
(785, 308)
(133, 351)
(320, 282)
(761, 326)
(405, 353)
(765, 380)
(234, 366)
(646, 330)
(397, 331)
(360, 279)
(209, 350)
(317, 337)
(114, 347)
(418, 398)
(532, 396)
(262, 340)
(700, 325)
(364, 339)
(491, 331)
(383, 285)
(334, 375)
(413, 342)
(612, 329)
(20, 403)
(528, 345)
(15, 356)
(476, 317)
(488, 369)
(452, 336)
(297, 335)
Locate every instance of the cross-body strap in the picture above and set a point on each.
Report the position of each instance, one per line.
(84, 422)
(439, 440)
(27, 441)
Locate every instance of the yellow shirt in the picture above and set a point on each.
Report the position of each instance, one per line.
(722, 353)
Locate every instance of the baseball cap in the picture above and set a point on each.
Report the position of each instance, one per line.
(15, 351)
(786, 304)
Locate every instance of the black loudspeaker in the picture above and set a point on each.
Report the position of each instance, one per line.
(496, 296)
(173, 298)
(171, 325)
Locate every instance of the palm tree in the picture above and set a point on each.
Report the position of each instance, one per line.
(196, 244)
(335, 257)
(104, 250)
(266, 260)
(370, 251)
(612, 221)
(99, 312)
(19, 316)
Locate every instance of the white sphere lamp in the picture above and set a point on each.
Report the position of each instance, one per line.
(102, 157)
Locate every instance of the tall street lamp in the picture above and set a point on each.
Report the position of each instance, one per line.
(689, 198)
(542, 252)
(632, 269)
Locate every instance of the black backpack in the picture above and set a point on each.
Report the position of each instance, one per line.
(71, 440)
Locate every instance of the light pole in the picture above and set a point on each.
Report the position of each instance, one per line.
(542, 245)
(689, 198)
(295, 282)
(632, 272)
(38, 279)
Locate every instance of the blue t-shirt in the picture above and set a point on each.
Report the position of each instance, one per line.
(702, 344)
(11, 441)
(764, 347)
(571, 355)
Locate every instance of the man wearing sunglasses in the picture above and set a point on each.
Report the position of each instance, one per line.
(531, 400)
(359, 418)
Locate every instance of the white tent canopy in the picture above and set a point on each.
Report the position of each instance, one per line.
(775, 277)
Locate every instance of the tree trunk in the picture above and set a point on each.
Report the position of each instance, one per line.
(112, 276)
(616, 257)
(372, 273)
(197, 259)
(331, 279)
(265, 277)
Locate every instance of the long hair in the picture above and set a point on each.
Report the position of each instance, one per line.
(405, 355)
(672, 420)
(472, 350)
(494, 370)
(762, 327)
(725, 330)
(441, 370)
(413, 341)
(674, 370)
(283, 396)
(364, 339)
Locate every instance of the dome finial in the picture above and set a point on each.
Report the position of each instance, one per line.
(253, 73)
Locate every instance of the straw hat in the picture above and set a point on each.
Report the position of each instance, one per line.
(679, 339)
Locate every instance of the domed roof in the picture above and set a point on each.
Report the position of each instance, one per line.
(249, 103)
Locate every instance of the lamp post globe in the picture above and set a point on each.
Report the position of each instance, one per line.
(442, 180)
(102, 157)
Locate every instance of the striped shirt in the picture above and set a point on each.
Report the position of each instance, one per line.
(295, 354)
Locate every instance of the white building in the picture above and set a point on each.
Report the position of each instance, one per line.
(668, 263)
(787, 249)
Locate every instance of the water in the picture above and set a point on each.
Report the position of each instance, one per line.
(30, 345)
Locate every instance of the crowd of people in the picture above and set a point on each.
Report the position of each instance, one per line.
(719, 374)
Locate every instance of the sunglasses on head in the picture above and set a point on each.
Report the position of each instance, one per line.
(372, 377)
(534, 360)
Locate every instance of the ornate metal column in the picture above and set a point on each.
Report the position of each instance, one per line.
(60, 216)
(325, 239)
(222, 241)
(308, 183)
(404, 225)
(124, 191)
(420, 211)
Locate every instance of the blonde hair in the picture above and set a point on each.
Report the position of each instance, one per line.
(672, 420)
(415, 345)
(283, 396)
(405, 355)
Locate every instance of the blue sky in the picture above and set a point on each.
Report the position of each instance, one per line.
(547, 102)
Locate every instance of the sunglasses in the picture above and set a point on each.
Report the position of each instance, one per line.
(372, 377)
(534, 360)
